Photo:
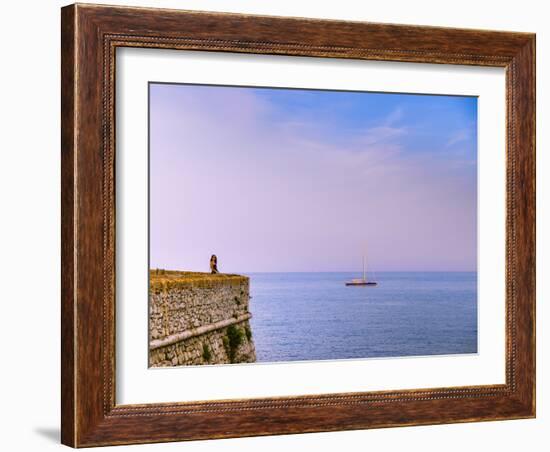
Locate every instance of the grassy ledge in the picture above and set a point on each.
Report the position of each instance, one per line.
(161, 280)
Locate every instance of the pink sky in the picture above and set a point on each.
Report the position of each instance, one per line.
(275, 185)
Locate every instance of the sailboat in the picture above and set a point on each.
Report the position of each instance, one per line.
(361, 281)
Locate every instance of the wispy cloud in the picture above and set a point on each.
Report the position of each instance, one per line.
(394, 117)
(459, 136)
(382, 135)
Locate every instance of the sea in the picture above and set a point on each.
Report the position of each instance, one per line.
(315, 316)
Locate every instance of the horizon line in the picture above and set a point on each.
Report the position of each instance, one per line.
(324, 271)
(371, 272)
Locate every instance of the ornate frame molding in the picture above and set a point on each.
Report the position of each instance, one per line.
(90, 37)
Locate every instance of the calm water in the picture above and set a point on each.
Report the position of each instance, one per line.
(314, 316)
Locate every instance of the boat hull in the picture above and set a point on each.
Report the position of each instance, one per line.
(366, 283)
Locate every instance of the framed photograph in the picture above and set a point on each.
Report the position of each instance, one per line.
(281, 225)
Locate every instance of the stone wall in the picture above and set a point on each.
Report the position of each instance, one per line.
(199, 318)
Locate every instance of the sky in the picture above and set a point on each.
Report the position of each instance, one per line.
(291, 180)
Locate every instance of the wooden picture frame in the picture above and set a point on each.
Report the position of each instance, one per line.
(90, 36)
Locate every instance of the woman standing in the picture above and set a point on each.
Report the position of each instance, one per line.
(214, 264)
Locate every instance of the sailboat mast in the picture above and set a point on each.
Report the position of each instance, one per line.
(362, 282)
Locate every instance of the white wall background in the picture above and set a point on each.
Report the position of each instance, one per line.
(29, 230)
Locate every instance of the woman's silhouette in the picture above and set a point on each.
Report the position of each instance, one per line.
(214, 264)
